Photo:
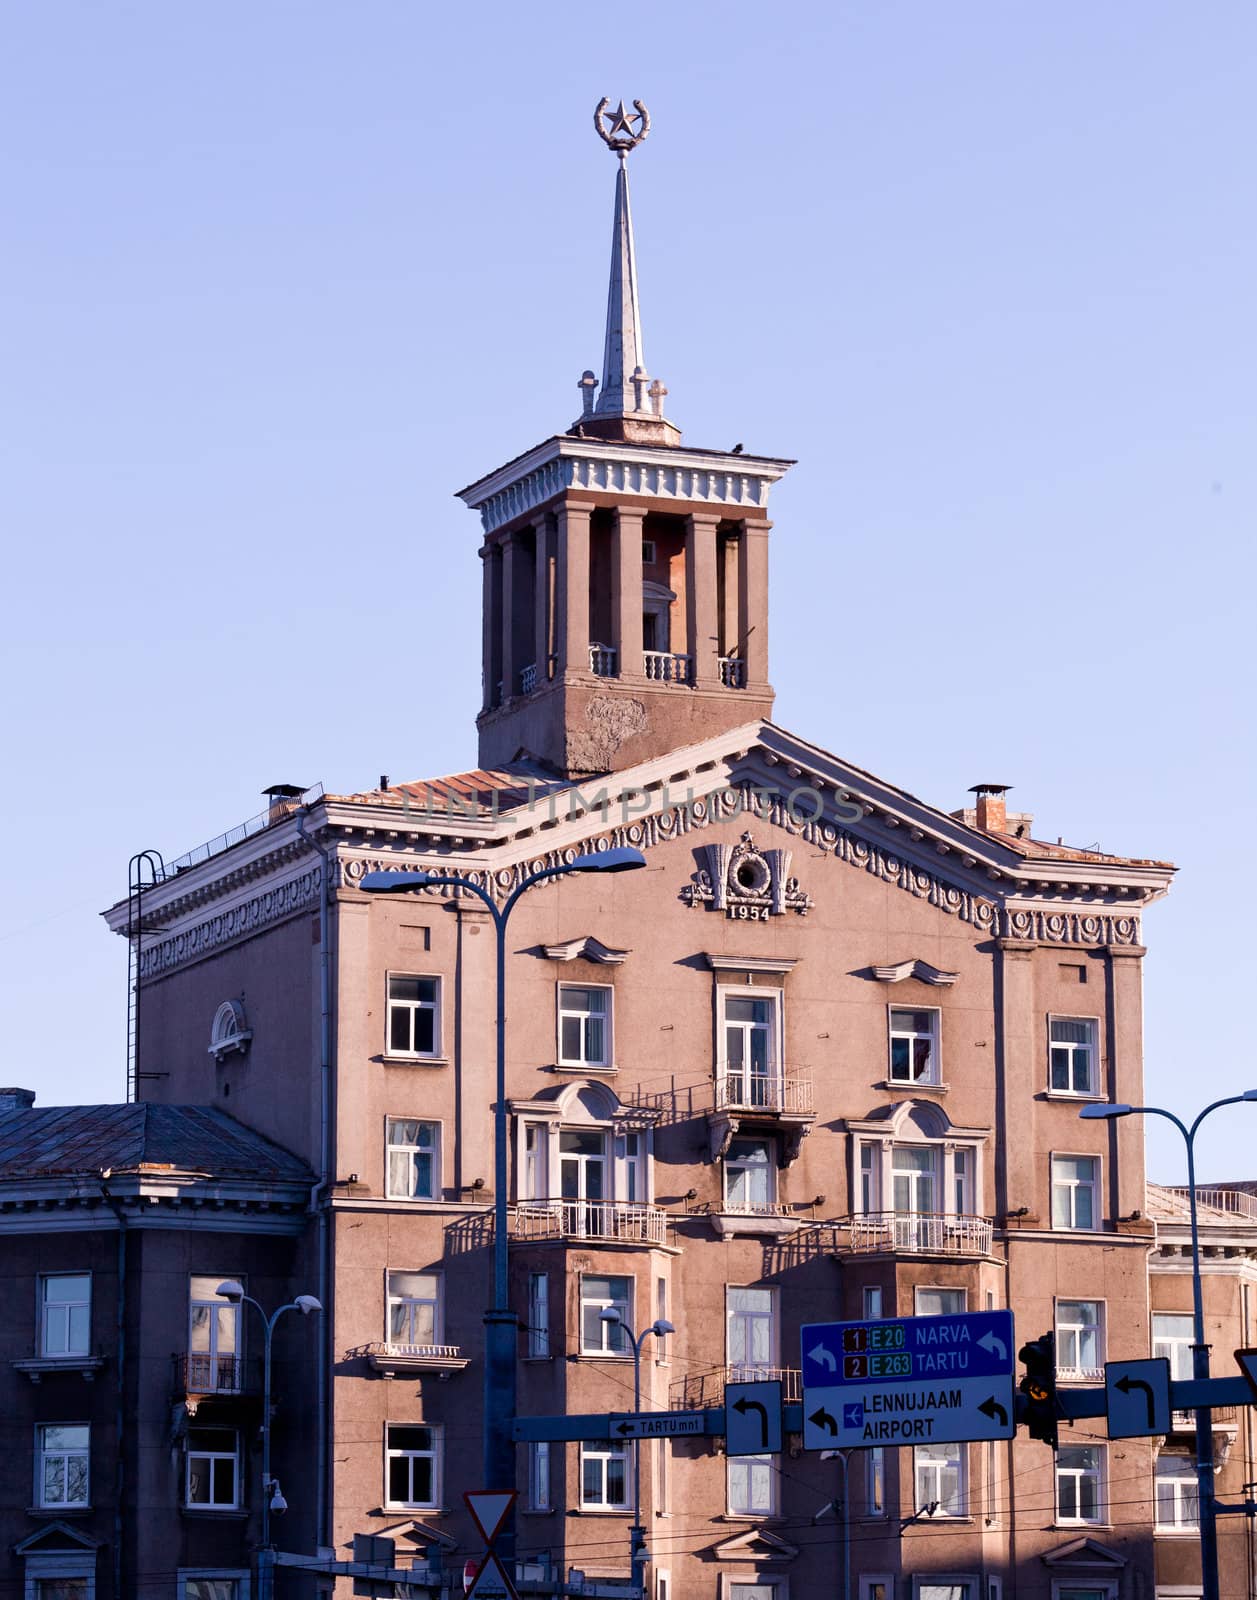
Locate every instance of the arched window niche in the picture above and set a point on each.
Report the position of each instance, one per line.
(230, 1033)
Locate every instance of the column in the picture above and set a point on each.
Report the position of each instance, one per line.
(730, 611)
(626, 590)
(1019, 1180)
(491, 630)
(753, 600)
(510, 665)
(1124, 1079)
(541, 598)
(572, 585)
(700, 600)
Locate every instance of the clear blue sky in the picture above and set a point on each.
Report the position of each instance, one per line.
(279, 278)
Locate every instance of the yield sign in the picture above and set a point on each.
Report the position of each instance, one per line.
(492, 1582)
(489, 1508)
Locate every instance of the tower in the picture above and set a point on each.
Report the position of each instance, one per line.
(625, 574)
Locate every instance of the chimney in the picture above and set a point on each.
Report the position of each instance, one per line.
(282, 798)
(990, 809)
(16, 1100)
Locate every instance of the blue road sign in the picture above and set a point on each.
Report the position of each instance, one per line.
(753, 1418)
(903, 1380)
(1137, 1395)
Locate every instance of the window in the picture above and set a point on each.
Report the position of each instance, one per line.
(648, 552)
(750, 1333)
(539, 1315)
(872, 1302)
(914, 1169)
(413, 1150)
(584, 1026)
(1079, 1344)
(752, 1486)
(946, 1589)
(939, 1302)
(877, 1586)
(213, 1337)
(1072, 1053)
(213, 1469)
(414, 1308)
(604, 1475)
(413, 1016)
(61, 1464)
(749, 1175)
(940, 1471)
(757, 1589)
(1178, 1508)
(213, 1585)
(750, 1048)
(64, 1588)
(539, 1475)
(661, 1315)
(597, 1295)
(914, 1047)
(410, 1465)
(1075, 1180)
(1078, 1489)
(1173, 1334)
(875, 1481)
(65, 1314)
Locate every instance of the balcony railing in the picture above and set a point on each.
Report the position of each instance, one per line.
(777, 1093)
(1079, 1374)
(917, 1232)
(201, 1373)
(733, 672)
(392, 1359)
(1185, 1421)
(623, 1222)
(662, 666)
(528, 678)
(699, 1391)
(1234, 1202)
(602, 660)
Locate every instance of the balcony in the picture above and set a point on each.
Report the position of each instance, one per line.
(780, 1100)
(201, 1376)
(615, 1222)
(751, 1218)
(1080, 1374)
(528, 678)
(733, 672)
(1224, 1417)
(918, 1233)
(405, 1360)
(602, 660)
(662, 666)
(701, 1391)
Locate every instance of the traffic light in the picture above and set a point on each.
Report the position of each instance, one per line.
(1039, 1387)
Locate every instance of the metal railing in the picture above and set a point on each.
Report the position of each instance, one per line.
(733, 672)
(528, 678)
(1080, 1374)
(744, 1208)
(662, 666)
(1234, 1202)
(412, 1352)
(233, 836)
(699, 1391)
(602, 660)
(777, 1092)
(624, 1222)
(199, 1372)
(929, 1233)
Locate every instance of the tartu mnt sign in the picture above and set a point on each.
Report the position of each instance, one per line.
(908, 1380)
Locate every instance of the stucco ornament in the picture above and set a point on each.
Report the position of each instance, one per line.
(616, 128)
(612, 719)
(747, 884)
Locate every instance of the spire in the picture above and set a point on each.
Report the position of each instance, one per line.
(628, 405)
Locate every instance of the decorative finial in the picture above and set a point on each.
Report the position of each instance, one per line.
(616, 130)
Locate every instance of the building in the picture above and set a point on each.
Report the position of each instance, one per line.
(822, 1060)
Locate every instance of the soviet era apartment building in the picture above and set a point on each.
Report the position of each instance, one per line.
(822, 1059)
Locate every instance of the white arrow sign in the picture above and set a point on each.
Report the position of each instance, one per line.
(991, 1344)
(823, 1357)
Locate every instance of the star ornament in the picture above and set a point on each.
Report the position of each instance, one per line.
(621, 130)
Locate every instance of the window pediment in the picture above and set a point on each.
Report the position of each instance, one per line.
(230, 1033)
(757, 1544)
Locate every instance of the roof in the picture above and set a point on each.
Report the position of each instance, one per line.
(480, 792)
(62, 1141)
(1041, 850)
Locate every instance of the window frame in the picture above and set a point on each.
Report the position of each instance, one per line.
(435, 1153)
(872, 1166)
(538, 1316)
(437, 1303)
(435, 1007)
(962, 1493)
(540, 1476)
(607, 1351)
(237, 1575)
(1186, 1475)
(237, 1476)
(434, 1455)
(730, 1163)
(934, 1080)
(774, 1029)
(1077, 1373)
(68, 1306)
(938, 1288)
(210, 1360)
(43, 1454)
(1072, 1187)
(734, 1466)
(750, 1371)
(605, 1451)
(583, 1063)
(1093, 1091)
(1078, 1475)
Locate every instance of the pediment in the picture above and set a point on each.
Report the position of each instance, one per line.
(1085, 1553)
(585, 948)
(922, 971)
(419, 1533)
(56, 1537)
(756, 1544)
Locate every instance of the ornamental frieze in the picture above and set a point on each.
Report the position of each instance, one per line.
(249, 917)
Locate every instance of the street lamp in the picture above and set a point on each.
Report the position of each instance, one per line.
(500, 1321)
(272, 1496)
(661, 1327)
(845, 1457)
(1200, 1350)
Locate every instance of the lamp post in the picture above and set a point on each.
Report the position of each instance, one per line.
(500, 1321)
(1207, 1503)
(845, 1457)
(637, 1534)
(272, 1499)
